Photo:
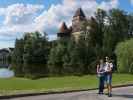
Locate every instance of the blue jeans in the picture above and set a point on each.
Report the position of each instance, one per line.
(108, 78)
(101, 84)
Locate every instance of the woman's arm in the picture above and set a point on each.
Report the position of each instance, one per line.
(110, 67)
(98, 68)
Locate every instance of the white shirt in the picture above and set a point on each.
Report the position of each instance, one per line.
(108, 66)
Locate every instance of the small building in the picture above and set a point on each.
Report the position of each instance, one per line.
(4, 56)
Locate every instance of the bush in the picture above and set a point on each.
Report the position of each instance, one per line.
(124, 53)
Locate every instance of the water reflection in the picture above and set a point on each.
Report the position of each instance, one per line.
(5, 71)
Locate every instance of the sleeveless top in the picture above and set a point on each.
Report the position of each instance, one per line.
(101, 70)
(108, 66)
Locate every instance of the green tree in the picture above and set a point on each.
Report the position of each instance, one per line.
(100, 16)
(119, 24)
(35, 56)
(17, 57)
(115, 30)
(32, 50)
(124, 52)
(130, 20)
(57, 53)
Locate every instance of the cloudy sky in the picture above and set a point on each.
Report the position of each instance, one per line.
(20, 16)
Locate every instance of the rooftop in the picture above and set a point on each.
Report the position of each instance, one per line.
(63, 28)
(79, 12)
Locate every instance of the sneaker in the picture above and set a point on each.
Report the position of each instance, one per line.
(100, 93)
(109, 95)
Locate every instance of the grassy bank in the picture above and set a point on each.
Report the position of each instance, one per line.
(22, 85)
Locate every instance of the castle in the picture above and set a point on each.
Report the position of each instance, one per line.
(75, 30)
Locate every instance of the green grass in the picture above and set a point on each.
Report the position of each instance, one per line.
(22, 85)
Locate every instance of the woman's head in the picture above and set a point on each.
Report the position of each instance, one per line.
(101, 61)
(107, 59)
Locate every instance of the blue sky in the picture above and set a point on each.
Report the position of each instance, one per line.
(20, 16)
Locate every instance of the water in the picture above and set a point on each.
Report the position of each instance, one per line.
(5, 71)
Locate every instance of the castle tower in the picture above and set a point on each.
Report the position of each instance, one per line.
(78, 19)
(64, 31)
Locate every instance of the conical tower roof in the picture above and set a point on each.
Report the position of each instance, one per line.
(63, 28)
(79, 12)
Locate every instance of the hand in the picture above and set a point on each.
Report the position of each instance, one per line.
(101, 72)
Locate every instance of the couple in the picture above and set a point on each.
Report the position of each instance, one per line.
(104, 72)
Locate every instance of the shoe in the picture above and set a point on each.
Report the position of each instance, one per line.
(100, 93)
(109, 95)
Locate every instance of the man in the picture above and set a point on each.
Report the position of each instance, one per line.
(100, 73)
(108, 75)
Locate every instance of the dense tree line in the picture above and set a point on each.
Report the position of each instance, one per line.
(30, 55)
(35, 56)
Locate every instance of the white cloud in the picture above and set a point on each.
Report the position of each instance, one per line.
(131, 1)
(108, 5)
(52, 18)
(19, 13)
(21, 18)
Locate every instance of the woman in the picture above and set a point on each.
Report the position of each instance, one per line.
(100, 73)
(108, 75)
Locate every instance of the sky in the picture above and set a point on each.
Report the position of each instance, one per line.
(20, 16)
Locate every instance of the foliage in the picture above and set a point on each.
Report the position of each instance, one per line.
(35, 56)
(30, 55)
(56, 57)
(124, 52)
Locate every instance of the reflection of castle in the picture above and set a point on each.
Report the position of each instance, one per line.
(76, 27)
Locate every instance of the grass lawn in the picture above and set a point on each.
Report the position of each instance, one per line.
(22, 85)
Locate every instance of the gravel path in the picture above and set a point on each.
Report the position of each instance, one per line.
(124, 93)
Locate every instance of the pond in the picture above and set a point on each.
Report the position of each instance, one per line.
(5, 71)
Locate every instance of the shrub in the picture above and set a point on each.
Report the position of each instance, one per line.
(124, 52)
